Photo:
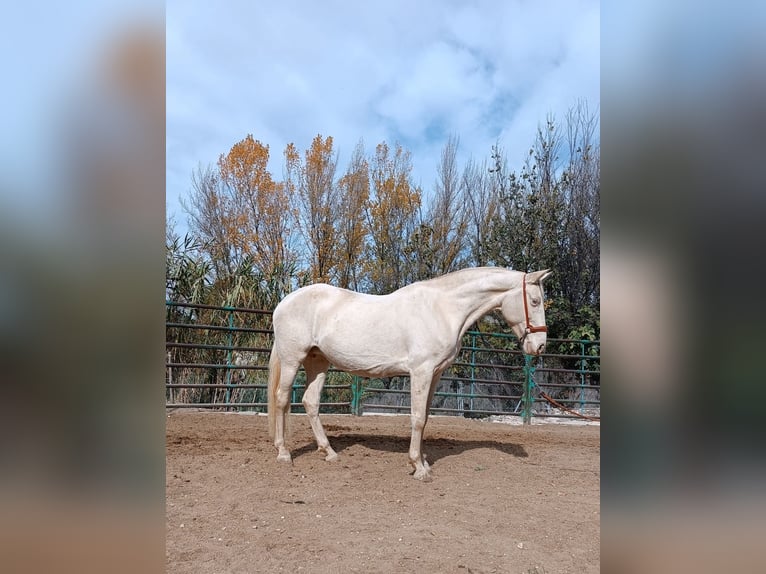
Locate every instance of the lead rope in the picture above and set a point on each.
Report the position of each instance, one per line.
(562, 407)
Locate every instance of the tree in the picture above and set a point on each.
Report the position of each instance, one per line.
(371, 229)
(481, 203)
(548, 216)
(580, 264)
(211, 221)
(354, 189)
(260, 212)
(312, 184)
(448, 215)
(391, 218)
(243, 219)
(526, 231)
(438, 243)
(187, 273)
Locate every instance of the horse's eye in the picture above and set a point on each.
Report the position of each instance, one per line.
(535, 301)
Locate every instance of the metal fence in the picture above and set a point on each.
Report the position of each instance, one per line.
(217, 357)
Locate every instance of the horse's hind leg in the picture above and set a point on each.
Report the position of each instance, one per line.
(316, 371)
(282, 403)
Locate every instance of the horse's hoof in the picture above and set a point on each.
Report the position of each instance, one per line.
(423, 476)
(284, 457)
(331, 455)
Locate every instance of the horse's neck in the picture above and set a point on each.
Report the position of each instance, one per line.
(478, 294)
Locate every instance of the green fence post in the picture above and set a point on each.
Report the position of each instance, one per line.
(526, 398)
(473, 370)
(583, 366)
(356, 396)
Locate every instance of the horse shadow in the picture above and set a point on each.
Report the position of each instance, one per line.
(435, 448)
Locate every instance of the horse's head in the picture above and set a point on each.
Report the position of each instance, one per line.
(524, 310)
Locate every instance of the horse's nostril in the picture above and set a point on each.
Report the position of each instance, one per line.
(541, 349)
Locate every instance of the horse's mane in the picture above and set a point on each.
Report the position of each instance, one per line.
(450, 277)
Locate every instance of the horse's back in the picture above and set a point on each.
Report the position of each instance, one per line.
(307, 306)
(307, 299)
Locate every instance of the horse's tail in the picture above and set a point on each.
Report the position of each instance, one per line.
(275, 369)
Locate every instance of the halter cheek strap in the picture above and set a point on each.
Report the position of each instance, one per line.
(528, 327)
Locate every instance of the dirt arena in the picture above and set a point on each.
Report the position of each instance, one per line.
(504, 498)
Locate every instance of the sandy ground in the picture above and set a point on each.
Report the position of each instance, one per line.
(504, 498)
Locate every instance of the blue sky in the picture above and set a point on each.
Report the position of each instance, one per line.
(412, 72)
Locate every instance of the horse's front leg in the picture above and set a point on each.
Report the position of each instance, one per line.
(420, 398)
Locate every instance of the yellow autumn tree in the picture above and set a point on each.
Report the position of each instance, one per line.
(259, 212)
(244, 221)
(354, 188)
(391, 217)
(311, 183)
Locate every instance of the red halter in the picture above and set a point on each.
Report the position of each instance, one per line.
(529, 328)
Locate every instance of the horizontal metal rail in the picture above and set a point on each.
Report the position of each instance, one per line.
(234, 367)
(555, 370)
(218, 347)
(487, 366)
(217, 308)
(206, 327)
(239, 386)
(239, 405)
(569, 401)
(444, 394)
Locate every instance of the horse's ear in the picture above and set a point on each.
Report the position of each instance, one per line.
(537, 277)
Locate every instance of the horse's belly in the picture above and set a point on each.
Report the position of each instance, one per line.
(365, 357)
(368, 366)
(377, 371)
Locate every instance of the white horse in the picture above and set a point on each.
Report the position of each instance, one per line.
(413, 331)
